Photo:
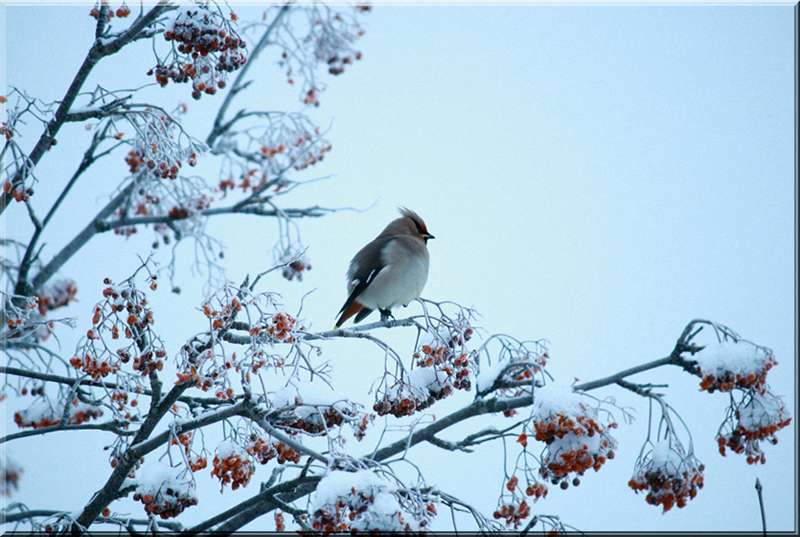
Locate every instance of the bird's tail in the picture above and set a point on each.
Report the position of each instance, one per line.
(347, 311)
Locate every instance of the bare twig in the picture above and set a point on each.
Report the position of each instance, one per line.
(761, 506)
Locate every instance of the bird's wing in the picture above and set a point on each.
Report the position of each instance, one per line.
(358, 286)
(364, 267)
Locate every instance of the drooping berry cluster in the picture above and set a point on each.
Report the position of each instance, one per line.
(207, 373)
(512, 507)
(534, 489)
(23, 320)
(27, 318)
(296, 268)
(56, 295)
(757, 418)
(122, 12)
(232, 465)
(41, 414)
(728, 365)
(300, 407)
(330, 37)
(195, 461)
(513, 513)
(449, 356)
(164, 490)
(160, 147)
(166, 503)
(93, 366)
(281, 326)
(8, 133)
(20, 193)
(401, 400)
(265, 450)
(10, 475)
(443, 363)
(576, 441)
(312, 156)
(363, 502)
(221, 318)
(671, 476)
(123, 312)
(165, 168)
(205, 49)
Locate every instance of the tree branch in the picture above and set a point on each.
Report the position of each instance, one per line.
(219, 129)
(98, 51)
(113, 426)
(312, 212)
(70, 381)
(22, 287)
(256, 416)
(94, 227)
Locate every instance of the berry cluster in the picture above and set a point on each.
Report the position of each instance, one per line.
(10, 477)
(443, 364)
(287, 141)
(155, 149)
(163, 167)
(123, 312)
(758, 419)
(280, 326)
(295, 269)
(442, 357)
(264, 451)
(575, 440)
(730, 380)
(524, 365)
(220, 319)
(93, 366)
(403, 399)
(122, 12)
(120, 397)
(19, 194)
(207, 48)
(24, 320)
(8, 132)
(513, 513)
(166, 503)
(671, 481)
(324, 419)
(336, 64)
(728, 365)
(372, 510)
(41, 414)
(537, 490)
(558, 464)
(312, 157)
(195, 462)
(209, 377)
(232, 465)
(57, 295)
(332, 37)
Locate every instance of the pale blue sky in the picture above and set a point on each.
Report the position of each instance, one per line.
(596, 176)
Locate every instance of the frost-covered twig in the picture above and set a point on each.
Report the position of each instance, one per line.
(99, 50)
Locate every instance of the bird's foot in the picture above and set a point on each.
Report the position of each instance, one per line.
(386, 315)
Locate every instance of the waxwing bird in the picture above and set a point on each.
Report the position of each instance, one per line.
(390, 270)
